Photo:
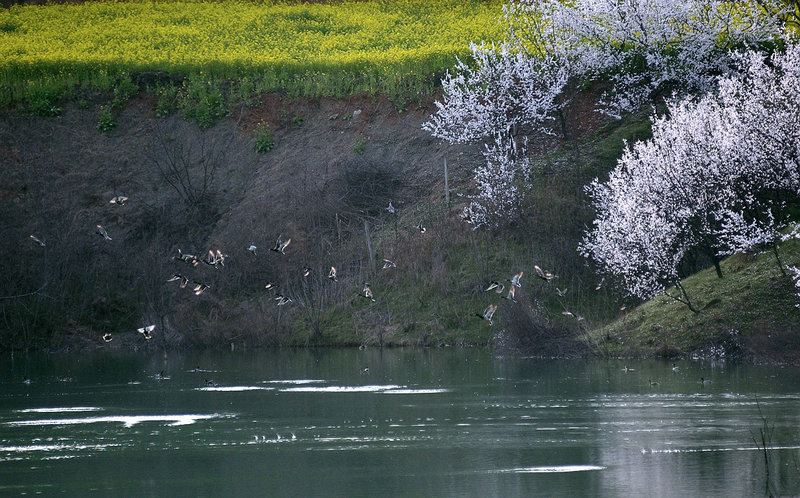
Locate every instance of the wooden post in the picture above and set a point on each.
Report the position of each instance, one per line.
(369, 248)
(446, 185)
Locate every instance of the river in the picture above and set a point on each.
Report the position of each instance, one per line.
(398, 422)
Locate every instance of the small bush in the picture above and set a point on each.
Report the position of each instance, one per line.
(264, 140)
(298, 119)
(202, 101)
(42, 101)
(247, 93)
(106, 120)
(359, 145)
(124, 90)
(167, 101)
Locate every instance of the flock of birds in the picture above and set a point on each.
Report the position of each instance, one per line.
(216, 259)
(675, 369)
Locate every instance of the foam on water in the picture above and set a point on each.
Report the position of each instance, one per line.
(54, 447)
(341, 389)
(414, 391)
(711, 450)
(295, 381)
(128, 420)
(551, 469)
(63, 409)
(230, 389)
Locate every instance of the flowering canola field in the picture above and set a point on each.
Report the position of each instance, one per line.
(321, 48)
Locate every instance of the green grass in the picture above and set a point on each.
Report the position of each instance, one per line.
(335, 48)
(752, 302)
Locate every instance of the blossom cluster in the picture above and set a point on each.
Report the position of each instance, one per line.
(643, 47)
(713, 179)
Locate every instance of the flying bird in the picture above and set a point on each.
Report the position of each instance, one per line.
(119, 200)
(270, 285)
(561, 292)
(391, 208)
(367, 292)
(306, 271)
(215, 259)
(572, 315)
(600, 284)
(178, 276)
(511, 294)
(252, 249)
(495, 285)
(282, 300)
(280, 246)
(515, 280)
(421, 228)
(332, 274)
(388, 264)
(102, 231)
(544, 275)
(188, 258)
(145, 331)
(488, 313)
(107, 337)
(35, 239)
(199, 287)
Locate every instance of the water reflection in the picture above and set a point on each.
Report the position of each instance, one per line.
(431, 422)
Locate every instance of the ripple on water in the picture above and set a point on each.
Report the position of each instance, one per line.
(341, 389)
(233, 389)
(128, 420)
(550, 469)
(62, 409)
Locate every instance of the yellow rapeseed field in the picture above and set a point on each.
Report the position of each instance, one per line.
(319, 48)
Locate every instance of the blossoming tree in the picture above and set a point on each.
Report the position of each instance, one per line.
(714, 179)
(643, 47)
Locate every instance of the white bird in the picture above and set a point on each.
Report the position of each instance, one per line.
(332, 274)
(391, 208)
(367, 292)
(252, 249)
(145, 331)
(102, 231)
(199, 287)
(600, 285)
(488, 313)
(280, 246)
(544, 275)
(495, 285)
(178, 276)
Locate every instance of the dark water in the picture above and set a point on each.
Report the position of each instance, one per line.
(414, 423)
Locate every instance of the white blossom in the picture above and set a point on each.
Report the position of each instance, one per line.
(713, 178)
(642, 47)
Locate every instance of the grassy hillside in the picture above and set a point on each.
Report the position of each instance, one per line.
(749, 312)
(331, 48)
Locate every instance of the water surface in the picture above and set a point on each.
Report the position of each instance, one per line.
(393, 422)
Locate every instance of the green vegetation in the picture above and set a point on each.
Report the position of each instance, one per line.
(264, 140)
(332, 49)
(753, 300)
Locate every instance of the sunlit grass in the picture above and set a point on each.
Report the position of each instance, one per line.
(753, 298)
(335, 48)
